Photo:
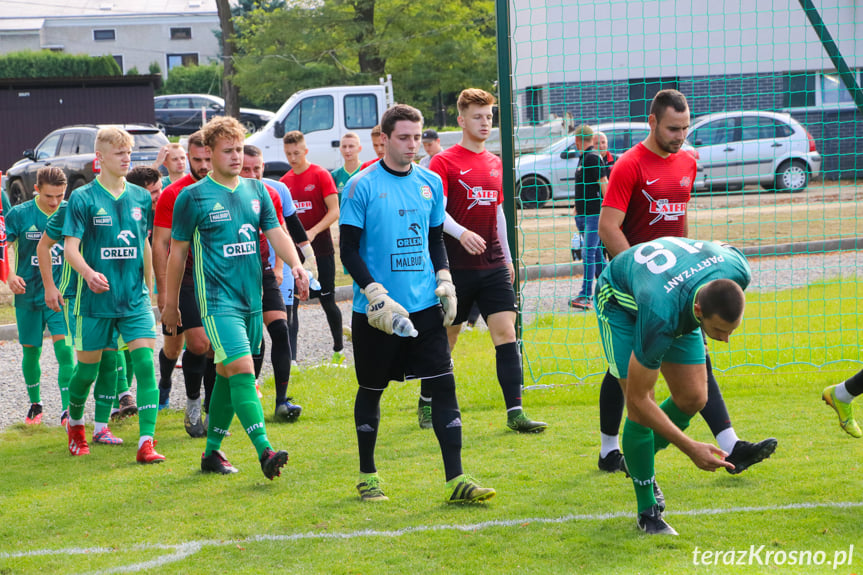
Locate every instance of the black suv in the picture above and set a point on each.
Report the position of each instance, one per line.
(72, 150)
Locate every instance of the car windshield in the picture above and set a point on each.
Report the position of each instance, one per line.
(552, 148)
(149, 140)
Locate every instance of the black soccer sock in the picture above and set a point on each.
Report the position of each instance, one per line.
(854, 384)
(446, 421)
(166, 369)
(425, 388)
(280, 355)
(209, 381)
(367, 417)
(715, 412)
(509, 373)
(334, 319)
(194, 366)
(611, 404)
(294, 326)
(258, 359)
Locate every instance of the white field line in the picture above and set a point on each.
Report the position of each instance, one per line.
(183, 550)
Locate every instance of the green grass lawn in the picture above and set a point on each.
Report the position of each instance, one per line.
(554, 513)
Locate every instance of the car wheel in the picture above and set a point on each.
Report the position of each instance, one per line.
(17, 193)
(251, 126)
(162, 128)
(533, 192)
(792, 176)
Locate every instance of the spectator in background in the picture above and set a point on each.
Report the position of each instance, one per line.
(173, 158)
(431, 144)
(600, 144)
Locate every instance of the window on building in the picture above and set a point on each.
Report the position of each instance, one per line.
(104, 35)
(175, 60)
(181, 33)
(832, 90)
(533, 103)
(119, 59)
(807, 89)
(361, 111)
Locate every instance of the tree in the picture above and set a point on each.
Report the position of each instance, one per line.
(194, 80)
(229, 91)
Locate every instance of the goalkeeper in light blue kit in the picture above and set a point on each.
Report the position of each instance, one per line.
(651, 303)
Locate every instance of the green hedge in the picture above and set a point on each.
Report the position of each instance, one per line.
(48, 64)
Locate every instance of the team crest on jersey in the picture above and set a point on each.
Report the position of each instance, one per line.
(494, 173)
(256, 206)
(310, 187)
(685, 182)
(426, 192)
(137, 214)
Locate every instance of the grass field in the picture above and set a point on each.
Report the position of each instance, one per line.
(554, 513)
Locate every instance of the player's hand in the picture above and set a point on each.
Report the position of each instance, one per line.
(53, 298)
(511, 269)
(381, 308)
(161, 300)
(17, 284)
(280, 276)
(160, 157)
(707, 456)
(171, 319)
(446, 292)
(301, 283)
(311, 234)
(97, 282)
(472, 243)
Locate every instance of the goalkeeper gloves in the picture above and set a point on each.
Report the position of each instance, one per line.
(310, 263)
(381, 308)
(446, 292)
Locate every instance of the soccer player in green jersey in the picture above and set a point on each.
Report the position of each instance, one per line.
(106, 243)
(221, 216)
(24, 226)
(652, 302)
(350, 149)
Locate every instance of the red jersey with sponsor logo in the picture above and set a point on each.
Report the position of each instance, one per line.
(308, 191)
(164, 217)
(265, 246)
(473, 186)
(652, 191)
(369, 163)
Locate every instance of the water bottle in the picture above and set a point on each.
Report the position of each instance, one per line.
(314, 284)
(575, 246)
(403, 327)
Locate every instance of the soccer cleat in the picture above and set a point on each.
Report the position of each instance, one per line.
(192, 421)
(34, 414)
(338, 359)
(581, 302)
(258, 390)
(369, 488)
(613, 462)
(77, 441)
(652, 523)
(128, 407)
(64, 419)
(424, 414)
(287, 411)
(844, 410)
(272, 462)
(105, 437)
(523, 424)
(115, 414)
(164, 398)
(464, 489)
(216, 463)
(746, 454)
(147, 453)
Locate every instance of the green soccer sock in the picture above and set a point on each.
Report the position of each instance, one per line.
(106, 385)
(65, 367)
(79, 388)
(249, 411)
(121, 376)
(148, 394)
(221, 414)
(637, 446)
(130, 373)
(32, 372)
(677, 417)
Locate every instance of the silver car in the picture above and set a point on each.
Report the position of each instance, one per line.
(754, 147)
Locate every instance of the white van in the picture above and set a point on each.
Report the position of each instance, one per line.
(324, 115)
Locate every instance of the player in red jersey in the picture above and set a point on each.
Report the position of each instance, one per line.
(192, 330)
(378, 145)
(317, 201)
(647, 198)
(478, 251)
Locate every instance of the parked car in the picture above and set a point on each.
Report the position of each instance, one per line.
(548, 174)
(754, 147)
(181, 113)
(72, 149)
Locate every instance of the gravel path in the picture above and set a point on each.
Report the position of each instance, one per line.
(315, 343)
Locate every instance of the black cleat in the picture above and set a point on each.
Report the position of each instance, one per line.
(613, 462)
(272, 462)
(659, 496)
(746, 454)
(652, 523)
(216, 463)
(288, 411)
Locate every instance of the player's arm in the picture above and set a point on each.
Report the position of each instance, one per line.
(148, 266)
(174, 269)
(332, 216)
(610, 220)
(472, 242)
(161, 245)
(284, 248)
(504, 242)
(642, 409)
(15, 282)
(349, 252)
(96, 281)
(53, 297)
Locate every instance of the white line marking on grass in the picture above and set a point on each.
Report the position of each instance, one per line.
(183, 550)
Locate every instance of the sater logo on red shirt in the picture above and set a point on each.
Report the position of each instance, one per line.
(479, 195)
(303, 206)
(669, 211)
(309, 188)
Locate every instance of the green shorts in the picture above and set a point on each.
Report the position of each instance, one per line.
(234, 335)
(32, 323)
(96, 333)
(70, 318)
(617, 331)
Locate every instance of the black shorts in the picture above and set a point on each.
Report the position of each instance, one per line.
(380, 358)
(490, 289)
(189, 314)
(326, 275)
(272, 299)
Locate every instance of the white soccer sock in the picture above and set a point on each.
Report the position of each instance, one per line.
(143, 439)
(425, 399)
(608, 444)
(124, 394)
(842, 393)
(74, 422)
(97, 427)
(726, 439)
